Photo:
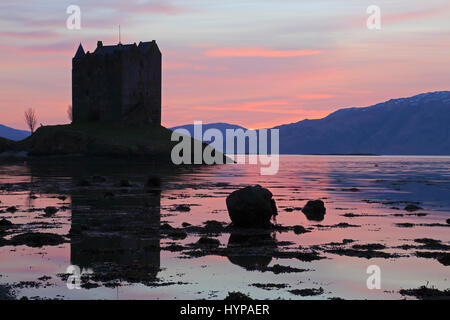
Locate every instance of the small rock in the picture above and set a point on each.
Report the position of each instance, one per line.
(5, 223)
(50, 211)
(37, 239)
(210, 242)
(412, 207)
(213, 226)
(299, 230)
(183, 207)
(235, 295)
(177, 234)
(166, 227)
(12, 209)
(89, 285)
(314, 210)
(307, 292)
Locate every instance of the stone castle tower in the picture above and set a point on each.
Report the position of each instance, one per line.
(118, 83)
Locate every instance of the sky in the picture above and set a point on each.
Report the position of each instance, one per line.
(256, 63)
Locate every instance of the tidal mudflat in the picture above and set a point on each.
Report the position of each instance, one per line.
(142, 231)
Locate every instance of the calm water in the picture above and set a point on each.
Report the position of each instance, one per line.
(374, 189)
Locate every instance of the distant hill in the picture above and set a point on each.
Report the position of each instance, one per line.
(418, 125)
(13, 134)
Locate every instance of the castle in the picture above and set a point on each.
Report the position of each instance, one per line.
(119, 83)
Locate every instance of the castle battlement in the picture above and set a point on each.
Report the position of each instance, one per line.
(117, 83)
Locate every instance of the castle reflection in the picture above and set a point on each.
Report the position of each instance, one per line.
(117, 237)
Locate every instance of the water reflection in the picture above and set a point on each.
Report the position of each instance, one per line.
(115, 240)
(251, 251)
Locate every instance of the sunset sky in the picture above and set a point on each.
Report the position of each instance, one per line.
(256, 63)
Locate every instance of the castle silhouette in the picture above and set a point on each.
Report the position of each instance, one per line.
(117, 83)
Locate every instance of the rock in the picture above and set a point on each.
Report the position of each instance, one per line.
(208, 242)
(183, 208)
(11, 209)
(166, 227)
(412, 207)
(214, 226)
(177, 234)
(236, 296)
(307, 292)
(5, 223)
(50, 211)
(299, 230)
(314, 210)
(448, 221)
(173, 233)
(251, 207)
(37, 239)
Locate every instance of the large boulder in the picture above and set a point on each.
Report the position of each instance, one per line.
(314, 210)
(251, 207)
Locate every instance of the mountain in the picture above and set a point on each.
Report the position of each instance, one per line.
(418, 125)
(13, 134)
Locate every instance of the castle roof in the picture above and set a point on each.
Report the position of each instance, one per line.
(101, 49)
(80, 52)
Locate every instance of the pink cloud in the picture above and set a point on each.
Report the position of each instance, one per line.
(314, 96)
(416, 15)
(158, 7)
(33, 35)
(258, 52)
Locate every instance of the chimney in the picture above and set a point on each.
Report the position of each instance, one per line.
(99, 44)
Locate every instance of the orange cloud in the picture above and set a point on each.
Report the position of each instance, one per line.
(257, 52)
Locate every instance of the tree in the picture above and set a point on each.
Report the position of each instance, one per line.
(69, 112)
(31, 119)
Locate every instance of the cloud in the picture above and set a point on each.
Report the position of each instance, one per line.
(151, 7)
(30, 35)
(258, 52)
(416, 15)
(314, 96)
